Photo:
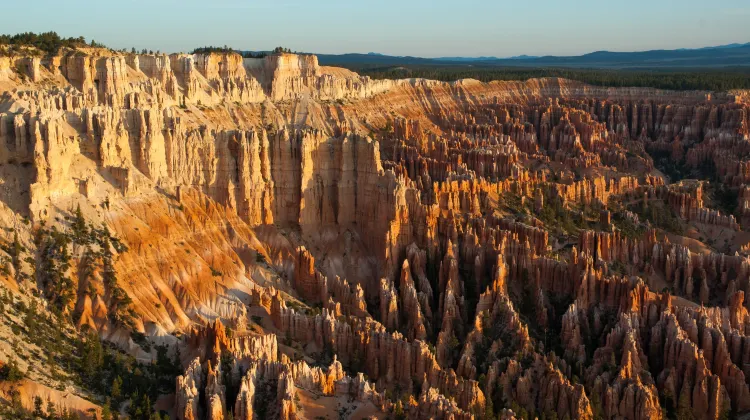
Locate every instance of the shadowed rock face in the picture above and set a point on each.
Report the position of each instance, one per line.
(445, 250)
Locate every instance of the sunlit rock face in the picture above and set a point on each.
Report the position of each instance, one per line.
(311, 239)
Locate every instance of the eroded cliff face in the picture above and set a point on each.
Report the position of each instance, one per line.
(505, 248)
(287, 77)
(249, 377)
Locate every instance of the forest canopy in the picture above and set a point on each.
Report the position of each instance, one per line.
(704, 79)
(211, 49)
(48, 42)
(226, 50)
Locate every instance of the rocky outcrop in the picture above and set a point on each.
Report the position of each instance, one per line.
(387, 357)
(388, 305)
(266, 384)
(486, 227)
(187, 392)
(290, 76)
(545, 387)
(410, 304)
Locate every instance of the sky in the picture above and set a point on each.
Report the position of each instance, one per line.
(436, 28)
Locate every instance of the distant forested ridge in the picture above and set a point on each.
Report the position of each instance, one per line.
(717, 68)
(225, 50)
(719, 57)
(48, 42)
(703, 79)
(212, 49)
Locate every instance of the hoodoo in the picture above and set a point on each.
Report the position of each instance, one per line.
(267, 237)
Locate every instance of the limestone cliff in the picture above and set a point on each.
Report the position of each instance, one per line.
(513, 249)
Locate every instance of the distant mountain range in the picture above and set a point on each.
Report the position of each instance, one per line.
(461, 59)
(731, 55)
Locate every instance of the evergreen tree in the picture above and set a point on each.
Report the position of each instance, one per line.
(596, 405)
(80, 232)
(398, 411)
(726, 410)
(51, 410)
(489, 410)
(11, 372)
(140, 407)
(38, 411)
(116, 390)
(106, 411)
(92, 357)
(16, 405)
(684, 411)
(47, 42)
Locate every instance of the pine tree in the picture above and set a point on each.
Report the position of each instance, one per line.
(177, 361)
(684, 412)
(398, 411)
(15, 402)
(38, 412)
(51, 410)
(79, 226)
(16, 251)
(726, 410)
(596, 404)
(92, 357)
(146, 405)
(11, 372)
(116, 390)
(106, 411)
(489, 410)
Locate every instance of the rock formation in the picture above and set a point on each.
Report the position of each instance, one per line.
(441, 250)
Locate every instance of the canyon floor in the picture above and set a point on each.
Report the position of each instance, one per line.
(216, 237)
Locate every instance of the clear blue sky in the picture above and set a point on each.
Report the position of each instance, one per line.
(406, 27)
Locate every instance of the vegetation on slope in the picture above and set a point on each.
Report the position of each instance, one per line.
(708, 79)
(65, 356)
(47, 42)
(211, 49)
(81, 360)
(245, 54)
